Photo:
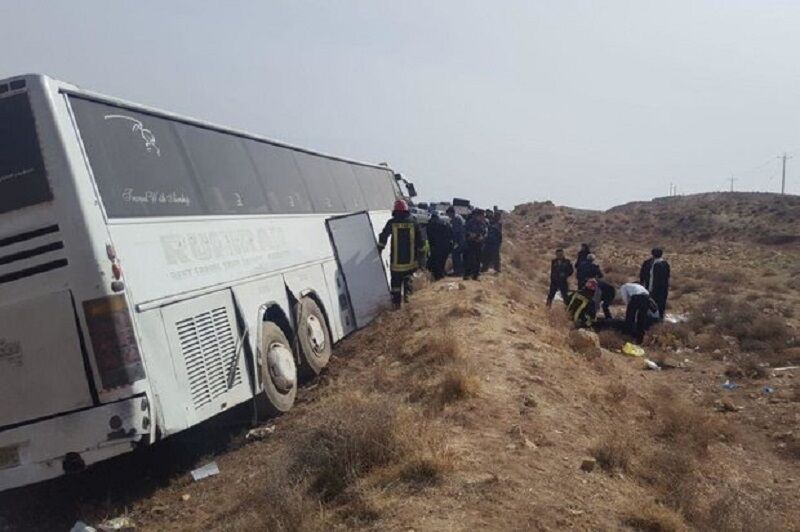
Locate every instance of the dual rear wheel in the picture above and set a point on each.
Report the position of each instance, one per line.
(282, 363)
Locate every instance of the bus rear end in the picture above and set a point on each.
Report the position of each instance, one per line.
(69, 359)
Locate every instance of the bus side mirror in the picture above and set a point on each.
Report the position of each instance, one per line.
(412, 192)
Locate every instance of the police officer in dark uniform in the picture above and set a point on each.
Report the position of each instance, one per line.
(440, 238)
(475, 230)
(407, 246)
(654, 275)
(560, 272)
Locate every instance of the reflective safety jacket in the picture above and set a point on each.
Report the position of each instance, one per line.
(581, 308)
(407, 242)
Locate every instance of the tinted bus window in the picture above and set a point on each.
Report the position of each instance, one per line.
(319, 182)
(347, 184)
(225, 174)
(378, 187)
(23, 181)
(137, 162)
(286, 192)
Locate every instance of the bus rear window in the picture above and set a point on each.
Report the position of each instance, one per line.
(23, 181)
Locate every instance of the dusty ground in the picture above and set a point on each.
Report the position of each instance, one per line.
(469, 409)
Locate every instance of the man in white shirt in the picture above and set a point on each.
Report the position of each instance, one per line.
(638, 302)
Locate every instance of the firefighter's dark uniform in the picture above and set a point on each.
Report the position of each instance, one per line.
(560, 272)
(407, 246)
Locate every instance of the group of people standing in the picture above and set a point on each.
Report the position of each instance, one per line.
(645, 300)
(474, 245)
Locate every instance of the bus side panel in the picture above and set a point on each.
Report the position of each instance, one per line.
(341, 318)
(312, 279)
(205, 345)
(253, 298)
(379, 219)
(163, 373)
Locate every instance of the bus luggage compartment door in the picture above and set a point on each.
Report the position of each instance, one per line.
(41, 365)
(353, 240)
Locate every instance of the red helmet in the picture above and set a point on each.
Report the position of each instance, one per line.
(400, 206)
(591, 284)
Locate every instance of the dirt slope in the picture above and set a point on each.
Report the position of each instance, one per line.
(470, 409)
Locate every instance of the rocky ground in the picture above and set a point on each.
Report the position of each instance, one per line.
(477, 407)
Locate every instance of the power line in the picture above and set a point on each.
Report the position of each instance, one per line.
(783, 173)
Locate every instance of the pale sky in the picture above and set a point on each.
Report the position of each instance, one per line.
(588, 104)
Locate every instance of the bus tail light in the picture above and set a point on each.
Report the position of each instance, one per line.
(116, 350)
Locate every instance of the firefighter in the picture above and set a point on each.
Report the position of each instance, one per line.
(440, 238)
(639, 304)
(407, 246)
(654, 275)
(560, 272)
(581, 308)
(475, 231)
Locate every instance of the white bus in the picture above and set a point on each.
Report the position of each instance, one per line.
(156, 270)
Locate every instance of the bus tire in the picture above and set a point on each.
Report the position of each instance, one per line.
(278, 371)
(313, 338)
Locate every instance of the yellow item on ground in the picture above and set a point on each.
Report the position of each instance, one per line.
(632, 350)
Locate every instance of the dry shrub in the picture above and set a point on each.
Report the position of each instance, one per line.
(357, 435)
(616, 392)
(613, 451)
(457, 383)
(671, 472)
(754, 329)
(440, 347)
(710, 342)
(611, 339)
(738, 509)
(523, 261)
(676, 419)
(462, 310)
(668, 335)
(649, 516)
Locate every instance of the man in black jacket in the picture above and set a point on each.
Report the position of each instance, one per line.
(494, 239)
(560, 272)
(582, 254)
(407, 246)
(654, 275)
(440, 238)
(588, 269)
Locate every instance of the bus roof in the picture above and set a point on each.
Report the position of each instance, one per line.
(69, 88)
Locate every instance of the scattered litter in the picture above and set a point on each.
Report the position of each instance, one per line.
(185, 497)
(728, 385)
(260, 433)
(676, 318)
(208, 470)
(649, 364)
(451, 286)
(118, 524)
(787, 368)
(80, 526)
(632, 350)
(768, 389)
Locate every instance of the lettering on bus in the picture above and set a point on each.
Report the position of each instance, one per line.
(188, 248)
(155, 196)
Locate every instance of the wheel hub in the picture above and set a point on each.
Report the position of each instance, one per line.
(282, 368)
(315, 333)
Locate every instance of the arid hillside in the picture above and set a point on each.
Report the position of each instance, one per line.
(475, 407)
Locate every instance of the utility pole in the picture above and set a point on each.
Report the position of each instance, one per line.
(732, 180)
(783, 174)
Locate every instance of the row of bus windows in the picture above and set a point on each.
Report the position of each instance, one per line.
(146, 165)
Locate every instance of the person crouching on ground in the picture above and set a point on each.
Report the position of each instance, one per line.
(581, 308)
(407, 247)
(638, 306)
(560, 272)
(475, 231)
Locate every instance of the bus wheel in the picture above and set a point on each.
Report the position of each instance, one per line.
(313, 337)
(278, 371)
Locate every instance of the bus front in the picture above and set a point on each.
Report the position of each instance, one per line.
(69, 359)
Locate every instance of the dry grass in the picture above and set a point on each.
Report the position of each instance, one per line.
(678, 419)
(649, 516)
(611, 340)
(614, 451)
(457, 383)
(616, 392)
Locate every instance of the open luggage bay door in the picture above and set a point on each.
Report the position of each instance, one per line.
(360, 264)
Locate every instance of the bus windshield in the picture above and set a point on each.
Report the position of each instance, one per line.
(23, 181)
